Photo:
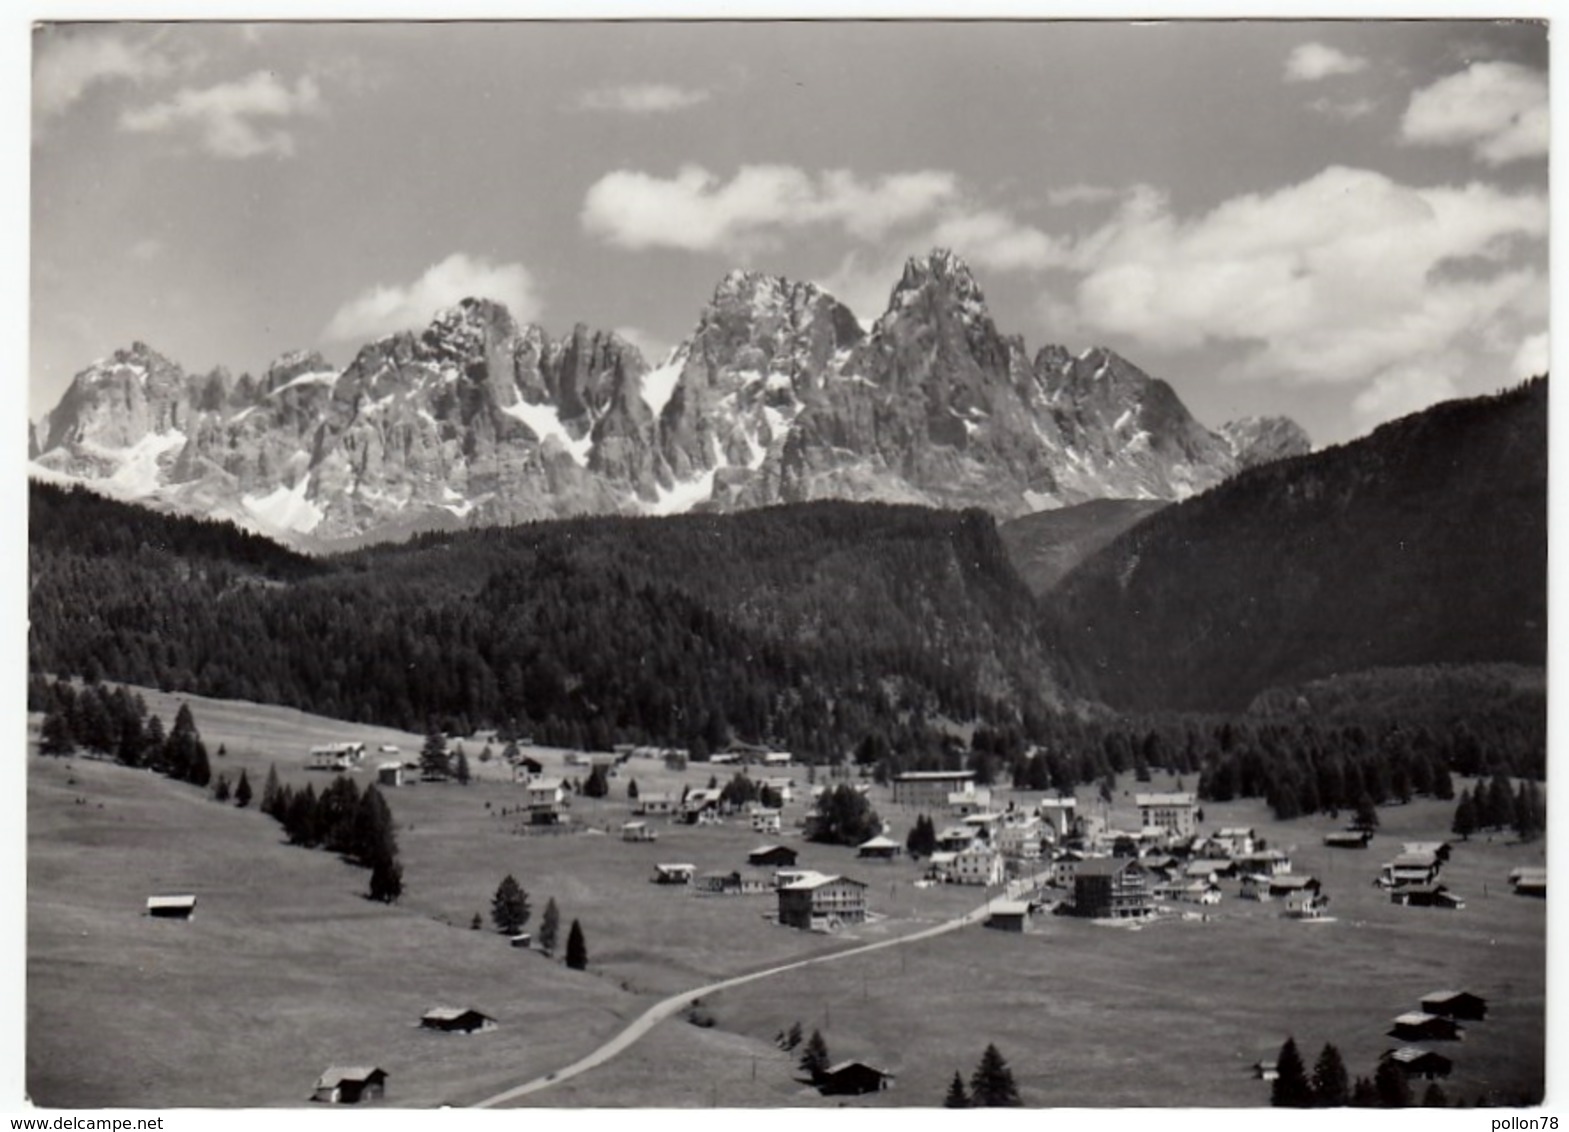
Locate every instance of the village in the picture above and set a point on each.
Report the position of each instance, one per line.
(678, 884)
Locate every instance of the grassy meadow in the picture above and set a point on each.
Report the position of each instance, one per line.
(286, 968)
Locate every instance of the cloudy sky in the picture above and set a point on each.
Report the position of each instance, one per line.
(1341, 221)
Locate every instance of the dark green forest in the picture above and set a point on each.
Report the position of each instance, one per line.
(1424, 542)
(807, 626)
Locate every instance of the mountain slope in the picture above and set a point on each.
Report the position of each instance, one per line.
(1046, 546)
(1424, 542)
(811, 625)
(776, 396)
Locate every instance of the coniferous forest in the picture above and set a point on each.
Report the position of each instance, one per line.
(899, 637)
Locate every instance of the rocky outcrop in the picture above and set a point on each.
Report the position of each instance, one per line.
(778, 395)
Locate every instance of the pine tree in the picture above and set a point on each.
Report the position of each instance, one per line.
(1290, 1088)
(1528, 816)
(597, 786)
(433, 762)
(1366, 813)
(56, 737)
(814, 1058)
(1391, 1086)
(795, 1037)
(1435, 1097)
(992, 1085)
(957, 1097)
(242, 792)
(1464, 824)
(1331, 1086)
(220, 790)
(462, 771)
(386, 880)
(477, 923)
(1363, 1094)
(577, 949)
(549, 927)
(632, 790)
(271, 793)
(509, 907)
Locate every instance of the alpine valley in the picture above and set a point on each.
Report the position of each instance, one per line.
(778, 395)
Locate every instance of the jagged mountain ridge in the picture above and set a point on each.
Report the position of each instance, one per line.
(778, 395)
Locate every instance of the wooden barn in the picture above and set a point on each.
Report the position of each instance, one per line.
(880, 848)
(350, 1085)
(1455, 1004)
(1010, 916)
(1426, 896)
(674, 874)
(1418, 1062)
(773, 856)
(171, 907)
(456, 1020)
(1416, 1026)
(389, 774)
(1349, 839)
(853, 1079)
(1529, 881)
(638, 831)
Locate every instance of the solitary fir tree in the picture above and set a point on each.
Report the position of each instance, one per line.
(461, 773)
(1464, 824)
(795, 1037)
(242, 791)
(1390, 1083)
(1331, 1086)
(957, 1097)
(597, 786)
(814, 1058)
(220, 790)
(433, 762)
(509, 907)
(271, 793)
(577, 949)
(1291, 1088)
(632, 790)
(549, 927)
(992, 1085)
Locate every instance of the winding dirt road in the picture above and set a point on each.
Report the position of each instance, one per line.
(663, 1009)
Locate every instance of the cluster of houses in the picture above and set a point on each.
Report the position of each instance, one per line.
(807, 899)
(335, 756)
(1112, 874)
(1438, 1020)
(1412, 877)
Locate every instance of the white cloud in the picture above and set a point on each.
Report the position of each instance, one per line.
(1532, 358)
(68, 66)
(1081, 194)
(1498, 109)
(653, 348)
(644, 98)
(387, 309)
(1350, 109)
(695, 211)
(228, 118)
(1312, 62)
(1402, 390)
(988, 238)
(1348, 277)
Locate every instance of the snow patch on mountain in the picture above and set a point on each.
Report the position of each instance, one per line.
(544, 422)
(660, 384)
(286, 508)
(313, 377)
(135, 472)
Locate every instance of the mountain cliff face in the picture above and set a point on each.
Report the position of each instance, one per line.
(777, 396)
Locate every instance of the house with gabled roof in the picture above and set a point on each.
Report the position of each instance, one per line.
(1418, 1026)
(456, 1020)
(824, 903)
(1415, 1061)
(350, 1084)
(1455, 1004)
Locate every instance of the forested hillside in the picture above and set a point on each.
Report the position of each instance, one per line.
(1425, 542)
(1046, 546)
(810, 626)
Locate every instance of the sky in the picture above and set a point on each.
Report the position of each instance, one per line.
(1340, 221)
